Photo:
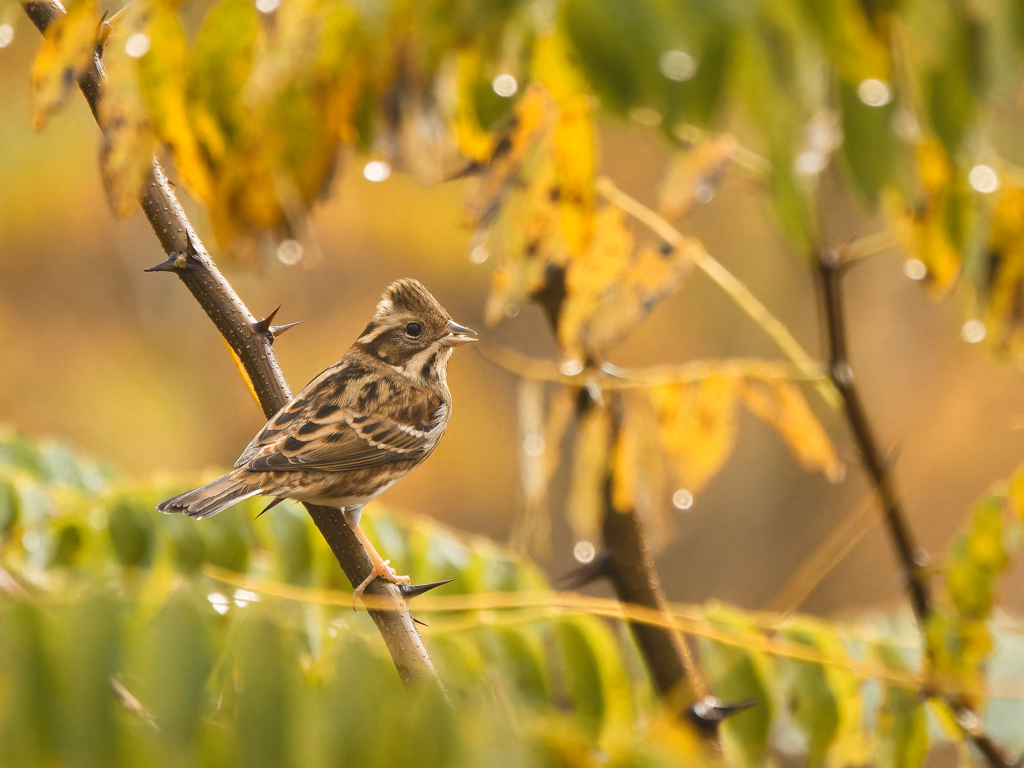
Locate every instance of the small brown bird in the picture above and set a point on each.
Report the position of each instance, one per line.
(358, 427)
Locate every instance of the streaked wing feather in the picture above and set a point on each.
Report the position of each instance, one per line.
(336, 439)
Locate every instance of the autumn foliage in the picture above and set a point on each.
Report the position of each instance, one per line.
(130, 638)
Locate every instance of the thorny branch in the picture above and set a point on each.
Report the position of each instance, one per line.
(252, 343)
(910, 557)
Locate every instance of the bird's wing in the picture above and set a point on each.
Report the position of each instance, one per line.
(335, 435)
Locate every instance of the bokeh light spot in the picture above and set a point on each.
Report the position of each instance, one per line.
(973, 331)
(376, 171)
(983, 179)
(874, 93)
(137, 45)
(584, 552)
(682, 499)
(915, 269)
(677, 65)
(289, 252)
(505, 85)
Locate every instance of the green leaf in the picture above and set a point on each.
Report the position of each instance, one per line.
(30, 720)
(592, 671)
(132, 533)
(227, 538)
(868, 142)
(849, 39)
(955, 84)
(902, 721)
(958, 637)
(262, 702)
(92, 653)
(180, 664)
(8, 510)
(187, 543)
(618, 45)
(290, 526)
(360, 715)
(737, 675)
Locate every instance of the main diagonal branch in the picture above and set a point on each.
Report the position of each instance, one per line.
(193, 266)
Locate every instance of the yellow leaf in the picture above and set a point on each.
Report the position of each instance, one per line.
(532, 115)
(694, 174)
(573, 141)
(67, 50)
(528, 237)
(129, 142)
(784, 407)
(592, 275)
(924, 229)
(586, 500)
(639, 481)
(163, 74)
(697, 426)
(652, 275)
(850, 41)
(1004, 308)
(540, 451)
(545, 162)
(475, 142)
(573, 146)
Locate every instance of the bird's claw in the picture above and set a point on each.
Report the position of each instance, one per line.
(383, 569)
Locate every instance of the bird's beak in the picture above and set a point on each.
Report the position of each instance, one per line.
(458, 335)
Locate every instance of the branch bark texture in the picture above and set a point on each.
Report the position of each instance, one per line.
(189, 260)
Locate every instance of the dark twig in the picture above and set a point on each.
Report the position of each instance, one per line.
(879, 468)
(842, 376)
(188, 259)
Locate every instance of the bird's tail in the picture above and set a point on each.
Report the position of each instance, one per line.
(213, 497)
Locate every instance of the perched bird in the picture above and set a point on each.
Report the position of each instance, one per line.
(357, 428)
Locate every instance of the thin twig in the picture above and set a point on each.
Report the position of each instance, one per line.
(826, 556)
(895, 516)
(675, 617)
(609, 377)
(868, 246)
(733, 287)
(188, 259)
(914, 572)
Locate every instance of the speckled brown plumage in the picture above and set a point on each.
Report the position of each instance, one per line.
(358, 427)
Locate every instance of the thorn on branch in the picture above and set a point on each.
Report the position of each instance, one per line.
(600, 567)
(173, 263)
(190, 247)
(707, 713)
(409, 591)
(263, 326)
(417, 621)
(277, 330)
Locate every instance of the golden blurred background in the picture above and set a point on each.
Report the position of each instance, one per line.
(126, 366)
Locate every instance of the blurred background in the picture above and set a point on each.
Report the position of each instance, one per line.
(125, 365)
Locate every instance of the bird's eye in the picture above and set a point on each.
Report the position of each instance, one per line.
(413, 329)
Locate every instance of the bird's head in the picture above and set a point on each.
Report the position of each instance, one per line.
(412, 331)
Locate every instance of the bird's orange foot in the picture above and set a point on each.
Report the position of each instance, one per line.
(383, 569)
